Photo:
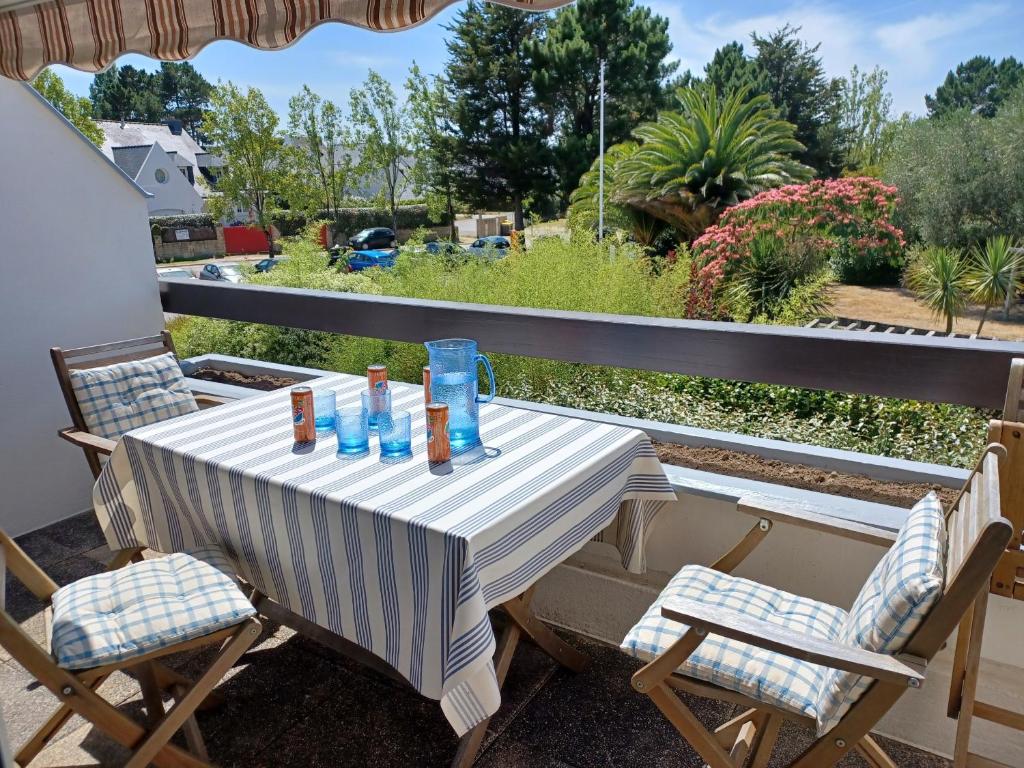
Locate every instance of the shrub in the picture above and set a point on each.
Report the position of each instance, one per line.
(849, 219)
(184, 221)
(760, 284)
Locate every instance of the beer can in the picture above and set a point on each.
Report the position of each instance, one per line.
(426, 384)
(438, 447)
(303, 419)
(377, 377)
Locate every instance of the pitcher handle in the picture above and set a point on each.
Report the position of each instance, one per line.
(490, 375)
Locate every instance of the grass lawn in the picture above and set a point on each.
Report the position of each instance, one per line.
(898, 306)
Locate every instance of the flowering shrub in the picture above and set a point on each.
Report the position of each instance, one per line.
(849, 219)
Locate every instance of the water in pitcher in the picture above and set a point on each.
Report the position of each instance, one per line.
(458, 390)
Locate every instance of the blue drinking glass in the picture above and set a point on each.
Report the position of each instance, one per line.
(324, 406)
(395, 430)
(376, 402)
(353, 430)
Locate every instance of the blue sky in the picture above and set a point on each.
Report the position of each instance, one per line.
(917, 41)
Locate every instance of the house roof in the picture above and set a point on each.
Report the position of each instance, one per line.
(131, 159)
(180, 146)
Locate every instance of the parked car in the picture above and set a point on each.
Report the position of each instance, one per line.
(360, 260)
(175, 272)
(229, 273)
(373, 239)
(436, 248)
(265, 265)
(493, 244)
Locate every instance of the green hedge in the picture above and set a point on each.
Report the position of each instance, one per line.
(351, 220)
(188, 220)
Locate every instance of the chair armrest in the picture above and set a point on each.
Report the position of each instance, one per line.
(804, 516)
(210, 399)
(87, 440)
(737, 626)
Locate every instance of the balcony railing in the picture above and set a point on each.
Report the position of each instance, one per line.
(960, 371)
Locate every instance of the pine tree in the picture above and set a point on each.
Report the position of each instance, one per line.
(979, 85)
(501, 139)
(634, 43)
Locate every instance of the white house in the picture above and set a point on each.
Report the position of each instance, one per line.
(163, 159)
(81, 224)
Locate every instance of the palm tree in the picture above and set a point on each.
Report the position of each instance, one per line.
(939, 278)
(992, 274)
(692, 164)
(583, 204)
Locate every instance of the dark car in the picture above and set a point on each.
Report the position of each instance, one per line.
(373, 239)
(229, 273)
(494, 244)
(444, 248)
(360, 260)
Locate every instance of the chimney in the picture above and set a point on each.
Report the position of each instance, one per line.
(174, 125)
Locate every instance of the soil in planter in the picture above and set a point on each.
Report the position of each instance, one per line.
(752, 467)
(261, 381)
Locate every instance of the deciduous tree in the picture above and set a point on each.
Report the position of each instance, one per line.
(433, 140)
(382, 132)
(77, 109)
(865, 114)
(326, 165)
(243, 128)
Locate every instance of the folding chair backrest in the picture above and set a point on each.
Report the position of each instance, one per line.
(66, 360)
(1013, 408)
(977, 535)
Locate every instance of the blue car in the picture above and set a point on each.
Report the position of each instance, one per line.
(360, 260)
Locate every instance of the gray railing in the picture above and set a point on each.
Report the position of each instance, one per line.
(961, 371)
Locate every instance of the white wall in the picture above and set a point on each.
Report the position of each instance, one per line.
(594, 595)
(176, 196)
(77, 269)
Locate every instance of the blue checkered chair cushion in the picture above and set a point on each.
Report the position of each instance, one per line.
(117, 398)
(899, 593)
(144, 607)
(766, 676)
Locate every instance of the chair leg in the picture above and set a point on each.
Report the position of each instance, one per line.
(42, 737)
(727, 732)
(193, 736)
(873, 753)
(689, 727)
(768, 734)
(175, 718)
(970, 685)
(151, 694)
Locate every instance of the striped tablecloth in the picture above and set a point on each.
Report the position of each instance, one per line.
(403, 559)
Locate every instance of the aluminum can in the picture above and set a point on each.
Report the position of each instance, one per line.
(377, 377)
(303, 419)
(438, 446)
(426, 384)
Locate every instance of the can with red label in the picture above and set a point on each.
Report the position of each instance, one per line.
(303, 420)
(377, 377)
(426, 384)
(438, 446)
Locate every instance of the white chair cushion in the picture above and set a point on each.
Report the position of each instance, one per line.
(117, 398)
(143, 607)
(762, 675)
(899, 593)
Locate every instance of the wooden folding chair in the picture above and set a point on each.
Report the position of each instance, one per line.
(977, 534)
(66, 360)
(76, 689)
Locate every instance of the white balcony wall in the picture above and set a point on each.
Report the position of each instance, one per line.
(78, 270)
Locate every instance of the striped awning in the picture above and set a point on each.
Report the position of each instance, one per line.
(90, 34)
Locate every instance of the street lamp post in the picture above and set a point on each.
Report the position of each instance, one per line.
(600, 172)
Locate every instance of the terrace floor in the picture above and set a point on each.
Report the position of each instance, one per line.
(291, 702)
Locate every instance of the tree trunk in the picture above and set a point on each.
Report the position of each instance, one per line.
(949, 324)
(517, 208)
(269, 232)
(394, 215)
(984, 314)
(453, 231)
(1011, 294)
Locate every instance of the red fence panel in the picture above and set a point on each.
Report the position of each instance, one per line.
(245, 240)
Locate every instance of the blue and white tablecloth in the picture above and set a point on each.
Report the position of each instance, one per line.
(400, 558)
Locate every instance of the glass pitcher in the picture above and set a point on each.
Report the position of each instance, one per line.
(453, 380)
